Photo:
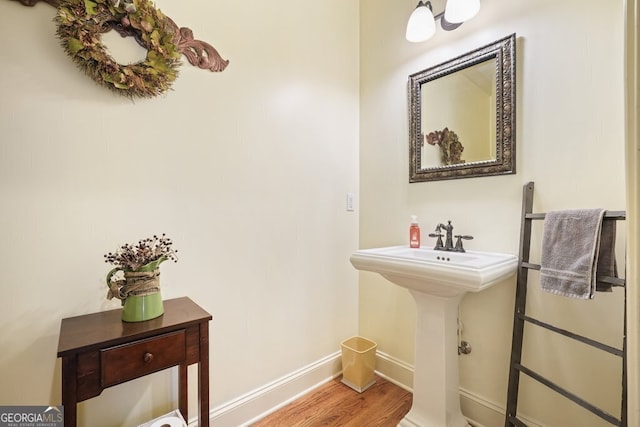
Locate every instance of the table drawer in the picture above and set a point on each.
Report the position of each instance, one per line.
(129, 361)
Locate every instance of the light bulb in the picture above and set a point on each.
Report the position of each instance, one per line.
(421, 24)
(459, 11)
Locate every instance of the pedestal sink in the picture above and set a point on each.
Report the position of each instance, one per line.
(437, 280)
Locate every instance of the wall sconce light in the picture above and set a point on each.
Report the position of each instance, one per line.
(422, 25)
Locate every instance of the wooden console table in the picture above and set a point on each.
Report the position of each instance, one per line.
(99, 350)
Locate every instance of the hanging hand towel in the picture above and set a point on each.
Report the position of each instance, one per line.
(571, 241)
(607, 255)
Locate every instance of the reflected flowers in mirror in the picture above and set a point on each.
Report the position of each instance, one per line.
(450, 146)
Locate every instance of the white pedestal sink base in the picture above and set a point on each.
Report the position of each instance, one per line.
(437, 280)
(436, 398)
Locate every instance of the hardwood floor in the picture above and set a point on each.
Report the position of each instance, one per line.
(382, 405)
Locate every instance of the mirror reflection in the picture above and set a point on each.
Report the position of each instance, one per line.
(462, 113)
(463, 129)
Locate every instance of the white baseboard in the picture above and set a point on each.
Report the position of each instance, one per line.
(401, 374)
(394, 370)
(494, 409)
(258, 403)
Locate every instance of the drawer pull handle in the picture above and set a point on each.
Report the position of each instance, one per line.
(148, 357)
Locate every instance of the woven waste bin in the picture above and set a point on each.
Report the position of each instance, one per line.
(358, 363)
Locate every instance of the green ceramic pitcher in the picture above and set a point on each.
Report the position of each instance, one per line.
(139, 292)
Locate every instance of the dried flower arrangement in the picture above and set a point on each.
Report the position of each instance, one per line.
(450, 146)
(80, 23)
(145, 256)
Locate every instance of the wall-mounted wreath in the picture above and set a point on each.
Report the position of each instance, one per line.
(80, 24)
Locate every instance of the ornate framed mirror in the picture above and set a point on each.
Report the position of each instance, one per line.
(462, 115)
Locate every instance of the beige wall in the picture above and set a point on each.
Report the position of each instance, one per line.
(570, 141)
(633, 204)
(246, 170)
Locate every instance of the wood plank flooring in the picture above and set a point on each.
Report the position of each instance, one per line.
(334, 404)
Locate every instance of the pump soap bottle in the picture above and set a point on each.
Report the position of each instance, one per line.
(414, 232)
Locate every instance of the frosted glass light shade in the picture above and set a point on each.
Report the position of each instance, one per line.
(421, 24)
(459, 11)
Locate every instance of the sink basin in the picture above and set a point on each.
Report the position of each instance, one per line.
(437, 281)
(440, 273)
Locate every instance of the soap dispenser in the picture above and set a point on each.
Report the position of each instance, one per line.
(414, 233)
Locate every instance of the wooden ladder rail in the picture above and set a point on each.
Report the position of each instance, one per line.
(520, 318)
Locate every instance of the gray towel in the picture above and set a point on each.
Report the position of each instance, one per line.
(607, 257)
(575, 247)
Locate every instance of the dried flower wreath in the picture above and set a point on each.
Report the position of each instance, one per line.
(80, 24)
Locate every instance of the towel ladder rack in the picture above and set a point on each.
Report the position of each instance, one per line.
(520, 318)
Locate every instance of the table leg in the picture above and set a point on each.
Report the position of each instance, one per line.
(183, 388)
(203, 376)
(69, 390)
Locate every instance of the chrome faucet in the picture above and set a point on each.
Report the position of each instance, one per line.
(448, 243)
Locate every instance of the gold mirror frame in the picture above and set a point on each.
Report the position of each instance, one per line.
(502, 52)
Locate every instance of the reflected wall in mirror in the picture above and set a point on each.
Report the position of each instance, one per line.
(462, 115)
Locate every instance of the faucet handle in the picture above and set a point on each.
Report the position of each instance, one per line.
(439, 244)
(460, 237)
